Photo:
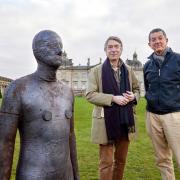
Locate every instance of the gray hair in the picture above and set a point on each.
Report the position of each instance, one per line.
(115, 38)
(157, 30)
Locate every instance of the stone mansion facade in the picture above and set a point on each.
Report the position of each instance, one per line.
(76, 76)
(4, 82)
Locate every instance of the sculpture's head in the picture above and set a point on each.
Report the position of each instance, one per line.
(47, 48)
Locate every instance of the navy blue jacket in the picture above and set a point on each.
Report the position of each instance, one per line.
(162, 84)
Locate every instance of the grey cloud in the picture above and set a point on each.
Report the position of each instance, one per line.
(84, 26)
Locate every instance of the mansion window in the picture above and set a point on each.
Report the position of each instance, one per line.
(67, 82)
(83, 84)
(84, 75)
(75, 84)
(75, 75)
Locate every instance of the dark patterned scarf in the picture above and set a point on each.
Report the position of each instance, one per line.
(119, 120)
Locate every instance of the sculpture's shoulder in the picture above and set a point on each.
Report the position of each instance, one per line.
(16, 86)
(11, 101)
(25, 79)
(64, 86)
(65, 89)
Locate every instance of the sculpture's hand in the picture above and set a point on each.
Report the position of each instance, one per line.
(8, 127)
(73, 152)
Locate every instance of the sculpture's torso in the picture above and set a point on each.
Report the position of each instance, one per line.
(44, 126)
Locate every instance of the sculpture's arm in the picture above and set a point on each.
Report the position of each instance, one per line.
(8, 128)
(9, 115)
(73, 151)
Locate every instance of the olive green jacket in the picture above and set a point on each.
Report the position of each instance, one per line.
(95, 96)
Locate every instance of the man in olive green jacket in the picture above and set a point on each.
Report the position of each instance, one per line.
(114, 90)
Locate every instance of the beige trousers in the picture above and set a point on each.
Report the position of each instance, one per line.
(113, 160)
(164, 131)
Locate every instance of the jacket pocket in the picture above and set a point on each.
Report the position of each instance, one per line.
(98, 112)
(98, 131)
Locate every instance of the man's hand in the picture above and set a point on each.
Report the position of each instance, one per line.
(120, 100)
(129, 95)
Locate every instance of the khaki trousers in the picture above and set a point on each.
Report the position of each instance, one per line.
(164, 131)
(113, 160)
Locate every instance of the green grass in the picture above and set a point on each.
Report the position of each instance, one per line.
(140, 162)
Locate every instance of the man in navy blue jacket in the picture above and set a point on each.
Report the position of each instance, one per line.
(162, 85)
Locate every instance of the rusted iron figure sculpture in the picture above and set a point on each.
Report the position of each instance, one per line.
(41, 108)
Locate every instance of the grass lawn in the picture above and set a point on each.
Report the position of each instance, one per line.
(140, 162)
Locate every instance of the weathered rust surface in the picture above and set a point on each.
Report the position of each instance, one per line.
(41, 108)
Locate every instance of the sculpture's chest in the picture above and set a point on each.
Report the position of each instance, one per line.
(46, 110)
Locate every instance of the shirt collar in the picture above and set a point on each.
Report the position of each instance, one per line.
(118, 66)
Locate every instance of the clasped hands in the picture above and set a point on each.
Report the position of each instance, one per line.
(124, 99)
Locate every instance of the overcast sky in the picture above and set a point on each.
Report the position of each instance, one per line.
(83, 25)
